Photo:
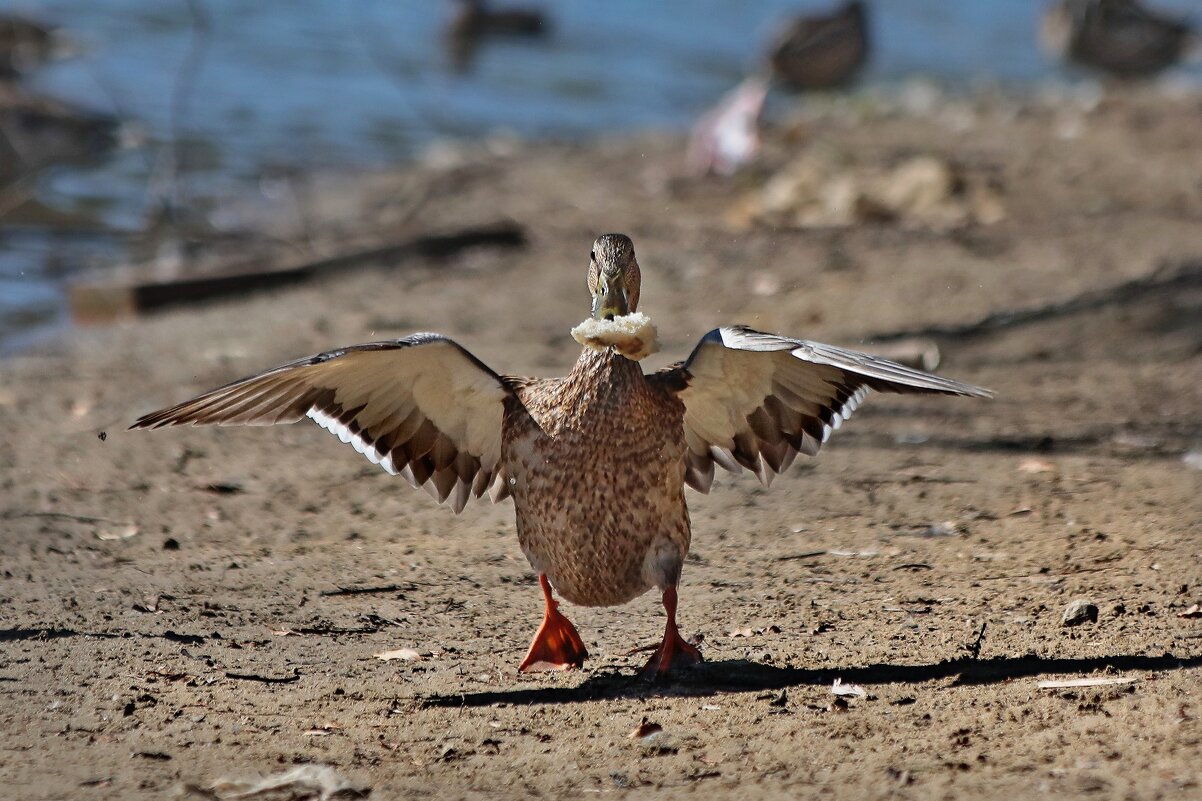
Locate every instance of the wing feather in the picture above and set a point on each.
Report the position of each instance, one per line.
(754, 400)
(421, 407)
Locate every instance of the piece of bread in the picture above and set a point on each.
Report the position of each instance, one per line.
(633, 335)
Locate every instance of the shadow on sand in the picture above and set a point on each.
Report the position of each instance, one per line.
(743, 676)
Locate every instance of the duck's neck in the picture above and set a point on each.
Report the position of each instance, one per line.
(599, 389)
(605, 369)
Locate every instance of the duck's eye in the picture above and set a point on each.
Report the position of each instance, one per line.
(592, 255)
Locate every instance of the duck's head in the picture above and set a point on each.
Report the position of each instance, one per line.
(616, 324)
(613, 277)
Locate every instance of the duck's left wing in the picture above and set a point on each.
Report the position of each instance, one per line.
(754, 400)
(421, 407)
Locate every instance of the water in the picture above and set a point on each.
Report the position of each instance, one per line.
(333, 84)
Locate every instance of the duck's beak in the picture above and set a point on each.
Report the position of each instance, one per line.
(610, 301)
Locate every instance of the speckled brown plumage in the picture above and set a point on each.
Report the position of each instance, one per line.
(596, 461)
(575, 451)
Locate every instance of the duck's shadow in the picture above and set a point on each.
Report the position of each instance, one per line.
(739, 675)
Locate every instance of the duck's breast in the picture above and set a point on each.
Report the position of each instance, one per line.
(597, 479)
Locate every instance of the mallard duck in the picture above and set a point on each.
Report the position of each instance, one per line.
(472, 21)
(821, 51)
(1119, 37)
(597, 461)
(37, 132)
(24, 44)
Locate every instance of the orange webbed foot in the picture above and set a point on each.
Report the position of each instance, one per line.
(674, 653)
(557, 645)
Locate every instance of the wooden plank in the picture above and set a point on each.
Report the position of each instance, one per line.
(1053, 684)
(93, 303)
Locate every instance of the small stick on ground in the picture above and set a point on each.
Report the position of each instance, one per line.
(974, 650)
(361, 590)
(264, 679)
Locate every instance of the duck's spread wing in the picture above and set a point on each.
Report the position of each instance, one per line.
(422, 407)
(754, 400)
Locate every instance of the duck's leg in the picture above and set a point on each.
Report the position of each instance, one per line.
(557, 645)
(673, 652)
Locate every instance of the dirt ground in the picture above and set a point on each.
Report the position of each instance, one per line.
(183, 607)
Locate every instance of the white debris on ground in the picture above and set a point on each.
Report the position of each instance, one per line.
(407, 654)
(1062, 684)
(841, 689)
(302, 783)
(820, 187)
(727, 136)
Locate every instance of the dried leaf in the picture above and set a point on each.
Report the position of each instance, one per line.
(645, 729)
(407, 654)
(118, 532)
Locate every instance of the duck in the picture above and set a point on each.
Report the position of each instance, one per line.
(812, 52)
(597, 461)
(821, 51)
(1119, 37)
(25, 44)
(473, 21)
(37, 131)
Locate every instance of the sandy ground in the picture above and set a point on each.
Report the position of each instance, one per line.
(175, 605)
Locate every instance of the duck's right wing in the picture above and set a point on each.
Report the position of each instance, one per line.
(755, 400)
(422, 407)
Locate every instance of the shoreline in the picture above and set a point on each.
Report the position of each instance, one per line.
(334, 192)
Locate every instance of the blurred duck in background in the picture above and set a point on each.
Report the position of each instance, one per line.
(474, 21)
(821, 51)
(37, 132)
(1118, 37)
(26, 44)
(812, 52)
